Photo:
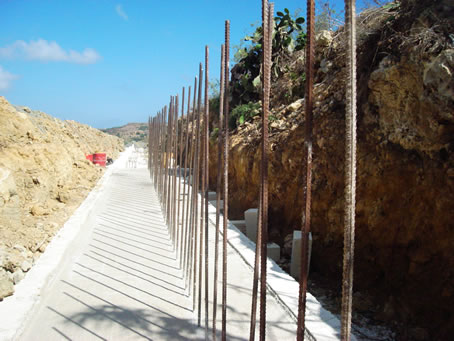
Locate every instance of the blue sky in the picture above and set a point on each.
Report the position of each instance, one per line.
(106, 63)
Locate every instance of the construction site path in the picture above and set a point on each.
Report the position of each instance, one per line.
(120, 278)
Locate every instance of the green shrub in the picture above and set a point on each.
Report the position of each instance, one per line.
(243, 113)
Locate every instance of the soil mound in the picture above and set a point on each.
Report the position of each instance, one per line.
(44, 176)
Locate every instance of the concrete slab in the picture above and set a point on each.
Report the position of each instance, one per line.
(120, 279)
(15, 309)
(321, 325)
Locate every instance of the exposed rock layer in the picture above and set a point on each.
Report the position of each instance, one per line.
(405, 193)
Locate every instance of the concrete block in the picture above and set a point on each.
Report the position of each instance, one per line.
(273, 251)
(295, 264)
(211, 196)
(183, 172)
(221, 203)
(250, 216)
(240, 225)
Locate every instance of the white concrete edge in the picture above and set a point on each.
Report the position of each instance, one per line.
(321, 325)
(16, 309)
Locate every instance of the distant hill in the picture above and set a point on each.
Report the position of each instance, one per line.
(131, 132)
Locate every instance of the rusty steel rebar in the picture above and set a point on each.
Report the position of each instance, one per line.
(267, 45)
(192, 179)
(169, 166)
(202, 207)
(258, 244)
(226, 181)
(180, 162)
(160, 155)
(166, 163)
(156, 149)
(196, 184)
(174, 194)
(218, 193)
(170, 183)
(170, 178)
(150, 143)
(167, 141)
(207, 179)
(306, 216)
(152, 146)
(184, 146)
(187, 167)
(350, 172)
(175, 175)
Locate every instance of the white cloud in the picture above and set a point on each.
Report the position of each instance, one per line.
(121, 12)
(6, 78)
(45, 51)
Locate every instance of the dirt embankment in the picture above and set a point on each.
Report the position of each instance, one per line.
(44, 177)
(404, 262)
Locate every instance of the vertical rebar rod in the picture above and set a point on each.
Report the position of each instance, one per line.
(160, 147)
(255, 280)
(218, 193)
(226, 181)
(350, 172)
(258, 243)
(167, 163)
(306, 216)
(202, 207)
(170, 183)
(151, 132)
(163, 154)
(169, 180)
(268, 14)
(151, 146)
(191, 207)
(175, 152)
(207, 179)
(186, 186)
(172, 175)
(157, 151)
(180, 162)
(156, 157)
(196, 187)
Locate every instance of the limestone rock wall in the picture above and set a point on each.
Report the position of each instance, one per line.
(405, 193)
